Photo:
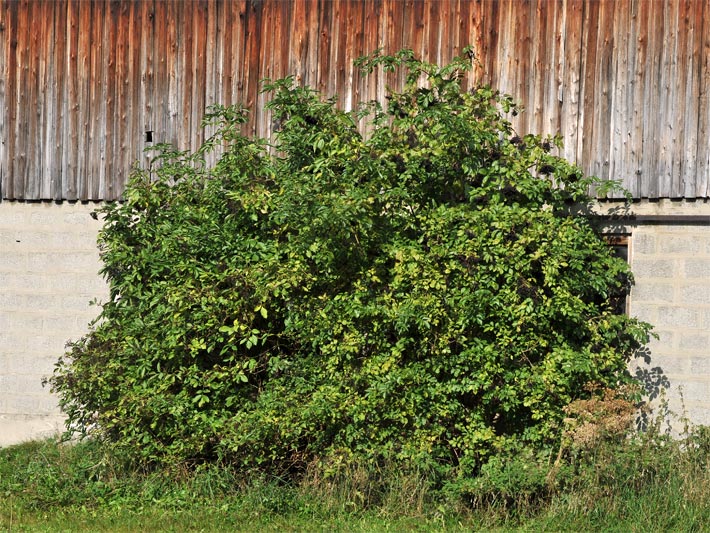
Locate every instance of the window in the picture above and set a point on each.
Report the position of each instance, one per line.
(619, 243)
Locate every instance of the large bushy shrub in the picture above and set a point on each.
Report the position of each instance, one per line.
(421, 293)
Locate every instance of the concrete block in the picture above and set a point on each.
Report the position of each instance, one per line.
(88, 284)
(680, 244)
(643, 244)
(17, 429)
(43, 404)
(21, 321)
(670, 365)
(679, 317)
(697, 268)
(700, 365)
(12, 342)
(22, 384)
(77, 218)
(63, 262)
(653, 268)
(644, 311)
(61, 325)
(695, 293)
(42, 218)
(698, 414)
(24, 363)
(656, 292)
(14, 260)
(696, 342)
(11, 301)
(23, 282)
(78, 304)
(696, 390)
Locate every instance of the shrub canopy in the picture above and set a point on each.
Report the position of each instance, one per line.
(421, 293)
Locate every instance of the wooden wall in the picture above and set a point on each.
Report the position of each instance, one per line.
(626, 82)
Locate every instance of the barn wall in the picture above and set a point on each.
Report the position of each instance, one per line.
(672, 268)
(48, 275)
(626, 82)
(669, 254)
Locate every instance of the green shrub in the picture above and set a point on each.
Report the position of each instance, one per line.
(421, 294)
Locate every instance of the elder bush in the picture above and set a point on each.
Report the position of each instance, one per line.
(420, 294)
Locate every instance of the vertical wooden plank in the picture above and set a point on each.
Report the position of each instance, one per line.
(677, 95)
(136, 132)
(467, 15)
(547, 97)
(70, 104)
(324, 45)
(481, 35)
(337, 35)
(652, 100)
(371, 41)
(184, 23)
(253, 43)
(174, 31)
(57, 53)
(96, 100)
(233, 52)
(664, 80)
(453, 45)
(226, 20)
(45, 102)
(602, 91)
(298, 43)
(214, 59)
(311, 41)
(4, 83)
(122, 131)
(270, 34)
(394, 37)
(31, 92)
(165, 131)
(83, 106)
(590, 16)
(110, 127)
(619, 134)
(417, 28)
(638, 48)
(148, 111)
(692, 16)
(571, 77)
(702, 185)
(212, 54)
(213, 49)
(352, 93)
(340, 30)
(491, 35)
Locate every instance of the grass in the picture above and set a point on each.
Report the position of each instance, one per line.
(650, 483)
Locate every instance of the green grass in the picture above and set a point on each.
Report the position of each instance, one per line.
(647, 484)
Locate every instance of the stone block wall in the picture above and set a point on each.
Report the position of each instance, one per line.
(49, 274)
(671, 265)
(49, 266)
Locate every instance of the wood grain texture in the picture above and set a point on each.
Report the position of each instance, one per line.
(625, 82)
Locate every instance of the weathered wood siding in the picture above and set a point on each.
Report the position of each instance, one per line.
(626, 82)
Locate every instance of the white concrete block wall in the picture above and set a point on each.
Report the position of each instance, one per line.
(49, 266)
(671, 264)
(49, 273)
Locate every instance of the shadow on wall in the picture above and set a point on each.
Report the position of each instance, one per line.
(654, 382)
